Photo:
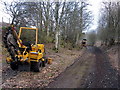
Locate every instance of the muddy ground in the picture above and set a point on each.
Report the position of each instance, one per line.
(90, 67)
(98, 73)
(114, 56)
(103, 74)
(74, 75)
(23, 78)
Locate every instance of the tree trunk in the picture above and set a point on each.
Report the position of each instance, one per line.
(57, 38)
(77, 38)
(48, 33)
(57, 29)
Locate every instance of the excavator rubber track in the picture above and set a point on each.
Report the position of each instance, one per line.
(11, 46)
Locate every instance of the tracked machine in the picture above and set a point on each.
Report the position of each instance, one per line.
(84, 41)
(24, 52)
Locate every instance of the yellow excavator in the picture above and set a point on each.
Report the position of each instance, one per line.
(24, 52)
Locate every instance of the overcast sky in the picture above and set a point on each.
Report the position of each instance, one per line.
(95, 8)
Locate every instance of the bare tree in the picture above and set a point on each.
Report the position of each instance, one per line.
(60, 22)
(15, 10)
(109, 23)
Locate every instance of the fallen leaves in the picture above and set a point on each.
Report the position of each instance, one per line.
(25, 79)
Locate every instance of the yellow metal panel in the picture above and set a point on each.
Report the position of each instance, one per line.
(41, 47)
(20, 32)
(8, 60)
(28, 28)
(35, 55)
(34, 60)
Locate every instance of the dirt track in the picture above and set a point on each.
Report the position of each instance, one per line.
(92, 69)
(103, 75)
(99, 73)
(23, 78)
